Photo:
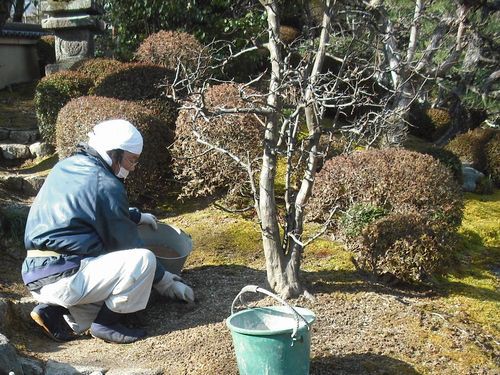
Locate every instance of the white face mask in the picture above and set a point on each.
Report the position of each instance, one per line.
(122, 173)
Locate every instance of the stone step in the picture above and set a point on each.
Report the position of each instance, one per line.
(23, 136)
(27, 181)
(27, 185)
(20, 151)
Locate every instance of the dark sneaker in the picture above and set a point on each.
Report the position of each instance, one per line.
(116, 333)
(51, 319)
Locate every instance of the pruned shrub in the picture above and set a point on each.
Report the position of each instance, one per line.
(407, 247)
(448, 158)
(394, 179)
(202, 170)
(134, 81)
(492, 152)
(288, 34)
(52, 93)
(429, 123)
(440, 120)
(97, 69)
(365, 187)
(79, 116)
(359, 216)
(470, 147)
(169, 48)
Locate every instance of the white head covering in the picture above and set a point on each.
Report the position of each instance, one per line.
(115, 134)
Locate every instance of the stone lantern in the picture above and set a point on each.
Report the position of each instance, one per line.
(74, 23)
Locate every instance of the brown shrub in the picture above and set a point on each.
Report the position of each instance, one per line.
(492, 153)
(134, 81)
(97, 69)
(288, 34)
(168, 48)
(440, 120)
(393, 179)
(52, 93)
(79, 116)
(470, 147)
(239, 134)
(372, 186)
(429, 123)
(403, 246)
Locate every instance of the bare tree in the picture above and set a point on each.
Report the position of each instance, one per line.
(296, 68)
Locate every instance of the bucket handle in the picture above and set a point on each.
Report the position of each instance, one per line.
(255, 289)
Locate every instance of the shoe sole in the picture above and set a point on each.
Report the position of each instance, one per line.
(39, 320)
(113, 342)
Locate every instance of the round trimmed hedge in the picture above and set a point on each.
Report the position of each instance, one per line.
(52, 93)
(407, 247)
(98, 69)
(470, 147)
(133, 81)
(151, 175)
(140, 83)
(168, 48)
(368, 186)
(202, 170)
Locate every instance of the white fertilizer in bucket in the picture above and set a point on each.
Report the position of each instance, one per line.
(271, 340)
(171, 245)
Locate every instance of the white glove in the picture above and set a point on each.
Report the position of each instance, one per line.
(173, 286)
(149, 219)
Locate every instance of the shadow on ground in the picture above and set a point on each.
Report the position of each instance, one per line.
(360, 364)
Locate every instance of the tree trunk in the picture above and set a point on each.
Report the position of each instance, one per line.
(279, 280)
(18, 11)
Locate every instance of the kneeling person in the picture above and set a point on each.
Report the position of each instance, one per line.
(86, 264)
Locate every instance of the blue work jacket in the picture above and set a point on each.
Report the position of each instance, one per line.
(81, 211)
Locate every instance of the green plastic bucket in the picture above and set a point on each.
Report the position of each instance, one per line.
(274, 340)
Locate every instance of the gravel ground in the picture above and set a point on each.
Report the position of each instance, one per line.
(361, 328)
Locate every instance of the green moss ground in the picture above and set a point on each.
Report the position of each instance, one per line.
(472, 290)
(467, 297)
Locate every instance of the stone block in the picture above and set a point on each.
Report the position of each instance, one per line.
(4, 134)
(61, 66)
(32, 185)
(74, 44)
(470, 177)
(41, 149)
(62, 7)
(15, 151)
(31, 366)
(9, 361)
(4, 314)
(24, 136)
(73, 22)
(12, 183)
